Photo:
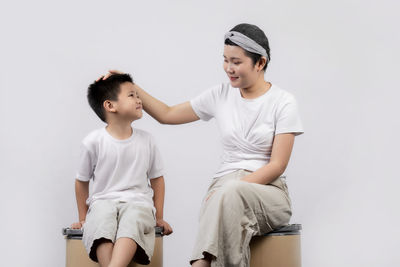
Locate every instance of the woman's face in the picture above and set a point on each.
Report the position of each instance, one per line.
(239, 67)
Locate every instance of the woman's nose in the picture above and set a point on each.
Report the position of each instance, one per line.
(229, 68)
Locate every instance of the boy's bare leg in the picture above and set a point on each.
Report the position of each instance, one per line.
(104, 251)
(201, 263)
(206, 262)
(123, 252)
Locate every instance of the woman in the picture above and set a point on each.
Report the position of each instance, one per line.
(258, 122)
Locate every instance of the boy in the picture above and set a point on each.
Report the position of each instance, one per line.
(118, 217)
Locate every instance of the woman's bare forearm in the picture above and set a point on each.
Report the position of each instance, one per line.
(156, 108)
(281, 151)
(177, 114)
(163, 113)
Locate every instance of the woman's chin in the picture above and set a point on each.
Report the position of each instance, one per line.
(235, 84)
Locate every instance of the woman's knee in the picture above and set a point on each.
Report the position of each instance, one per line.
(233, 191)
(234, 188)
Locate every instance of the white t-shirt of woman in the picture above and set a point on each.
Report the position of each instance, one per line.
(247, 126)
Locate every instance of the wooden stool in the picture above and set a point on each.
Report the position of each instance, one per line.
(279, 248)
(78, 257)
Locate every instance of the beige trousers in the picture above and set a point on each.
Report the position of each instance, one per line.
(234, 211)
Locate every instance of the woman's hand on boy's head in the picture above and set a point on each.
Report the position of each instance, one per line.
(108, 74)
(167, 228)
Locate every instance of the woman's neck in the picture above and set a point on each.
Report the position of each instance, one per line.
(257, 89)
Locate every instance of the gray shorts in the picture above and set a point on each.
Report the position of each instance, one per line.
(110, 219)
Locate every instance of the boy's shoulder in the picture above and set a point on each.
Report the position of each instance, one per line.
(93, 137)
(99, 135)
(144, 135)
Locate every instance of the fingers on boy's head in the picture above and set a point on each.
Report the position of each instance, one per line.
(102, 90)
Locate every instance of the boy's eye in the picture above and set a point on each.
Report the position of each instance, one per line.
(236, 63)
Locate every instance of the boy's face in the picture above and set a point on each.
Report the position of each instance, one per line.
(128, 105)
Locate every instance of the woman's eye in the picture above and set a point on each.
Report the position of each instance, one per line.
(236, 63)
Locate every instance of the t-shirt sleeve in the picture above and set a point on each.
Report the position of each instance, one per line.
(156, 168)
(86, 164)
(288, 117)
(205, 104)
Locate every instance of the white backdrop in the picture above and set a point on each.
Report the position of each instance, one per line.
(339, 58)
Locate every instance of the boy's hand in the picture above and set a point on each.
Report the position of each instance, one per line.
(77, 225)
(167, 228)
(108, 74)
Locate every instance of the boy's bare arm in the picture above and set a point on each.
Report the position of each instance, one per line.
(158, 186)
(81, 193)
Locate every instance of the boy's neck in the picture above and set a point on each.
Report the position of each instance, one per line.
(119, 131)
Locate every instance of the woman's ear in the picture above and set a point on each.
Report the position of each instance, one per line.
(109, 106)
(261, 63)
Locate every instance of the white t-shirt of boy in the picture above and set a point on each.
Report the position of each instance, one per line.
(247, 126)
(119, 169)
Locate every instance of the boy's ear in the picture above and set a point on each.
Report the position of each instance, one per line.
(109, 106)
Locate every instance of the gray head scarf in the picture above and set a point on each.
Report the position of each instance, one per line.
(246, 43)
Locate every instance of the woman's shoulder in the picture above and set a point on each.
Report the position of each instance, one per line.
(221, 88)
(218, 91)
(281, 94)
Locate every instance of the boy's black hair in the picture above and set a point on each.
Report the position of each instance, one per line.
(257, 35)
(103, 90)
